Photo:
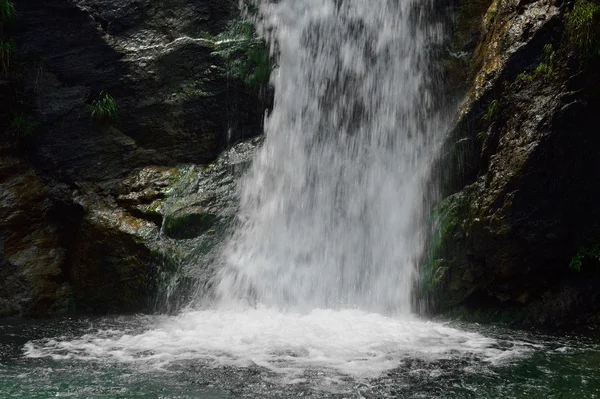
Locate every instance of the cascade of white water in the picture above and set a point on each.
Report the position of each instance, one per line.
(330, 210)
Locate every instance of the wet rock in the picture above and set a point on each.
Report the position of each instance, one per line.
(80, 202)
(174, 104)
(200, 209)
(526, 167)
(31, 254)
(111, 266)
(189, 224)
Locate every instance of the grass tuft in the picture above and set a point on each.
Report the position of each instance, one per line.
(591, 252)
(22, 126)
(581, 24)
(492, 111)
(8, 13)
(7, 51)
(105, 109)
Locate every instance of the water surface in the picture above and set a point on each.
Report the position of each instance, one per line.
(265, 353)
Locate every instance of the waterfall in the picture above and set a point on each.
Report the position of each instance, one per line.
(329, 227)
(331, 210)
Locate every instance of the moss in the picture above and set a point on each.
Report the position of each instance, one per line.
(184, 225)
(431, 277)
(449, 223)
(452, 217)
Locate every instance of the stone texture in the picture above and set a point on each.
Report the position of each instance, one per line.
(80, 223)
(174, 105)
(523, 181)
(31, 254)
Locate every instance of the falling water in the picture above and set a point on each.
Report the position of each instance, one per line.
(330, 210)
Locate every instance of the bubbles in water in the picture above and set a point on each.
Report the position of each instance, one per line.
(349, 342)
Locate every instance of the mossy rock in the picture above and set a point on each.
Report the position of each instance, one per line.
(445, 274)
(188, 224)
(450, 222)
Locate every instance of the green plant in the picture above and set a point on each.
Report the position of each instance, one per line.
(104, 109)
(549, 54)
(589, 252)
(8, 13)
(246, 57)
(7, 50)
(22, 126)
(581, 24)
(492, 111)
(546, 68)
(543, 71)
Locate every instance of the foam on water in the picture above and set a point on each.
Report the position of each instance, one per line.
(350, 342)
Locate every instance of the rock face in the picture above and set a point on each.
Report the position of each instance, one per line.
(522, 178)
(31, 254)
(172, 100)
(77, 229)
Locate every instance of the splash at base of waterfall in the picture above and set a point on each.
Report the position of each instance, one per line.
(348, 343)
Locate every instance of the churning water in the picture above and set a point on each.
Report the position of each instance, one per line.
(315, 282)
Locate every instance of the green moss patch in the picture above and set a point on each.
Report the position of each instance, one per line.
(186, 225)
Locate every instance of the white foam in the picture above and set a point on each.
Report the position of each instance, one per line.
(349, 342)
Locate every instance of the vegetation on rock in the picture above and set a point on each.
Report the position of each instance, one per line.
(246, 57)
(582, 27)
(22, 126)
(188, 224)
(492, 111)
(543, 71)
(509, 248)
(104, 109)
(591, 252)
(8, 13)
(7, 51)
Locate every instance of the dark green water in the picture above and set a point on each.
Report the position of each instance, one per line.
(556, 367)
